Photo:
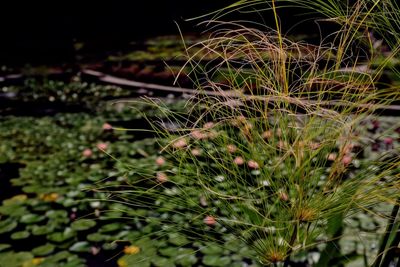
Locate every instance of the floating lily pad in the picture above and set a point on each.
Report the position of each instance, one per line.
(31, 218)
(186, 257)
(13, 259)
(43, 250)
(13, 210)
(216, 260)
(162, 262)
(212, 248)
(4, 246)
(97, 237)
(177, 239)
(84, 224)
(110, 227)
(20, 235)
(7, 225)
(82, 246)
(60, 237)
(42, 230)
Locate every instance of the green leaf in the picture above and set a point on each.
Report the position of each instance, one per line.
(43, 250)
(12, 259)
(4, 246)
(162, 262)
(82, 246)
(31, 218)
(13, 210)
(84, 224)
(60, 237)
(177, 239)
(216, 260)
(42, 229)
(111, 227)
(20, 235)
(7, 225)
(186, 257)
(96, 237)
(212, 248)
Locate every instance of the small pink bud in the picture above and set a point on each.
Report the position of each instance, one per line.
(346, 160)
(253, 164)
(209, 125)
(281, 145)
(180, 143)
(238, 161)
(107, 126)
(388, 141)
(87, 153)
(72, 216)
(102, 146)
(332, 156)
(314, 146)
(267, 134)
(212, 134)
(160, 161)
(94, 250)
(196, 152)
(196, 134)
(210, 220)
(231, 148)
(279, 132)
(283, 196)
(162, 177)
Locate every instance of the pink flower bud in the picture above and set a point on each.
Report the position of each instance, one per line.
(346, 160)
(102, 146)
(107, 126)
(162, 177)
(267, 134)
(180, 143)
(238, 161)
(87, 153)
(208, 125)
(332, 156)
(388, 141)
(210, 220)
(196, 152)
(253, 164)
(160, 161)
(231, 148)
(196, 134)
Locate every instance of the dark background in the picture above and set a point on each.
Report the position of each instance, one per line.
(45, 33)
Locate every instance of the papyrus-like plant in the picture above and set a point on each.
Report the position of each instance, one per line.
(270, 153)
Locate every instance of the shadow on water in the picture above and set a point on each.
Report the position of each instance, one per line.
(8, 171)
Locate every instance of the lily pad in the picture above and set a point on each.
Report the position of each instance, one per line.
(15, 259)
(81, 225)
(177, 239)
(7, 225)
(216, 260)
(4, 246)
(31, 218)
(82, 246)
(212, 249)
(43, 250)
(110, 227)
(42, 229)
(186, 257)
(60, 237)
(20, 235)
(96, 237)
(162, 262)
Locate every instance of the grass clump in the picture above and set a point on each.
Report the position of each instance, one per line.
(275, 153)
